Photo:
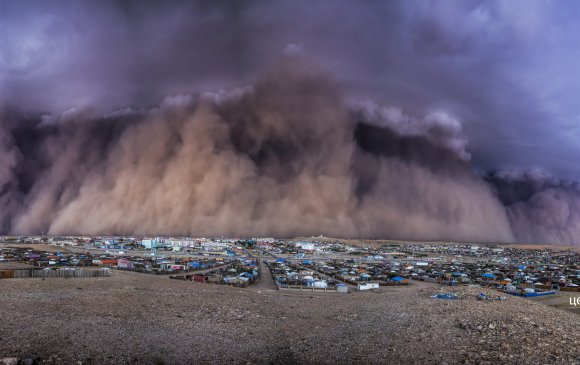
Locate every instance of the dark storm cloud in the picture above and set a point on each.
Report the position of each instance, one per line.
(540, 208)
(63, 54)
(286, 156)
(508, 75)
(482, 85)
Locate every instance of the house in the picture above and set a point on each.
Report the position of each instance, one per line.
(199, 278)
(367, 286)
(125, 264)
(306, 246)
(150, 244)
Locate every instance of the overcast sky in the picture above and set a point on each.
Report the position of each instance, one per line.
(508, 70)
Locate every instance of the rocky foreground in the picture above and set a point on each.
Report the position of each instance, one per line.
(138, 319)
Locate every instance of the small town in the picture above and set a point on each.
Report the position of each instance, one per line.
(470, 294)
(298, 264)
(289, 182)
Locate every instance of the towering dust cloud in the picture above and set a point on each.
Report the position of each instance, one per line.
(286, 156)
(540, 208)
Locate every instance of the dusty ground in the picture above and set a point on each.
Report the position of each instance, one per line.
(561, 300)
(140, 319)
(531, 246)
(14, 266)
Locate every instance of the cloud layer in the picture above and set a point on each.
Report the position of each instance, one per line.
(540, 208)
(286, 156)
(413, 108)
(510, 75)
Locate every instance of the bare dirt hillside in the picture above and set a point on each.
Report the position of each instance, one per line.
(136, 318)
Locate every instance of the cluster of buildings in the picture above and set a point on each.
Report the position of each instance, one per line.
(313, 264)
(334, 274)
(301, 249)
(121, 244)
(239, 273)
(506, 268)
(27, 263)
(31, 258)
(502, 267)
(289, 275)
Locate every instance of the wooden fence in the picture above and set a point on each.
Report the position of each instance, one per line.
(303, 287)
(32, 273)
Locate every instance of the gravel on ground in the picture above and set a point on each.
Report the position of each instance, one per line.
(132, 318)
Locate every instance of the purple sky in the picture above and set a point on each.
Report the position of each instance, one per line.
(507, 70)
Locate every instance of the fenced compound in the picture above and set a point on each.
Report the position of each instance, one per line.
(172, 272)
(282, 286)
(213, 280)
(59, 273)
(154, 272)
(341, 279)
(218, 276)
(6, 274)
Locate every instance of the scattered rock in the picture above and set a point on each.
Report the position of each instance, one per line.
(9, 361)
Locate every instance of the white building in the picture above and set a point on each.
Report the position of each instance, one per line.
(306, 246)
(367, 286)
